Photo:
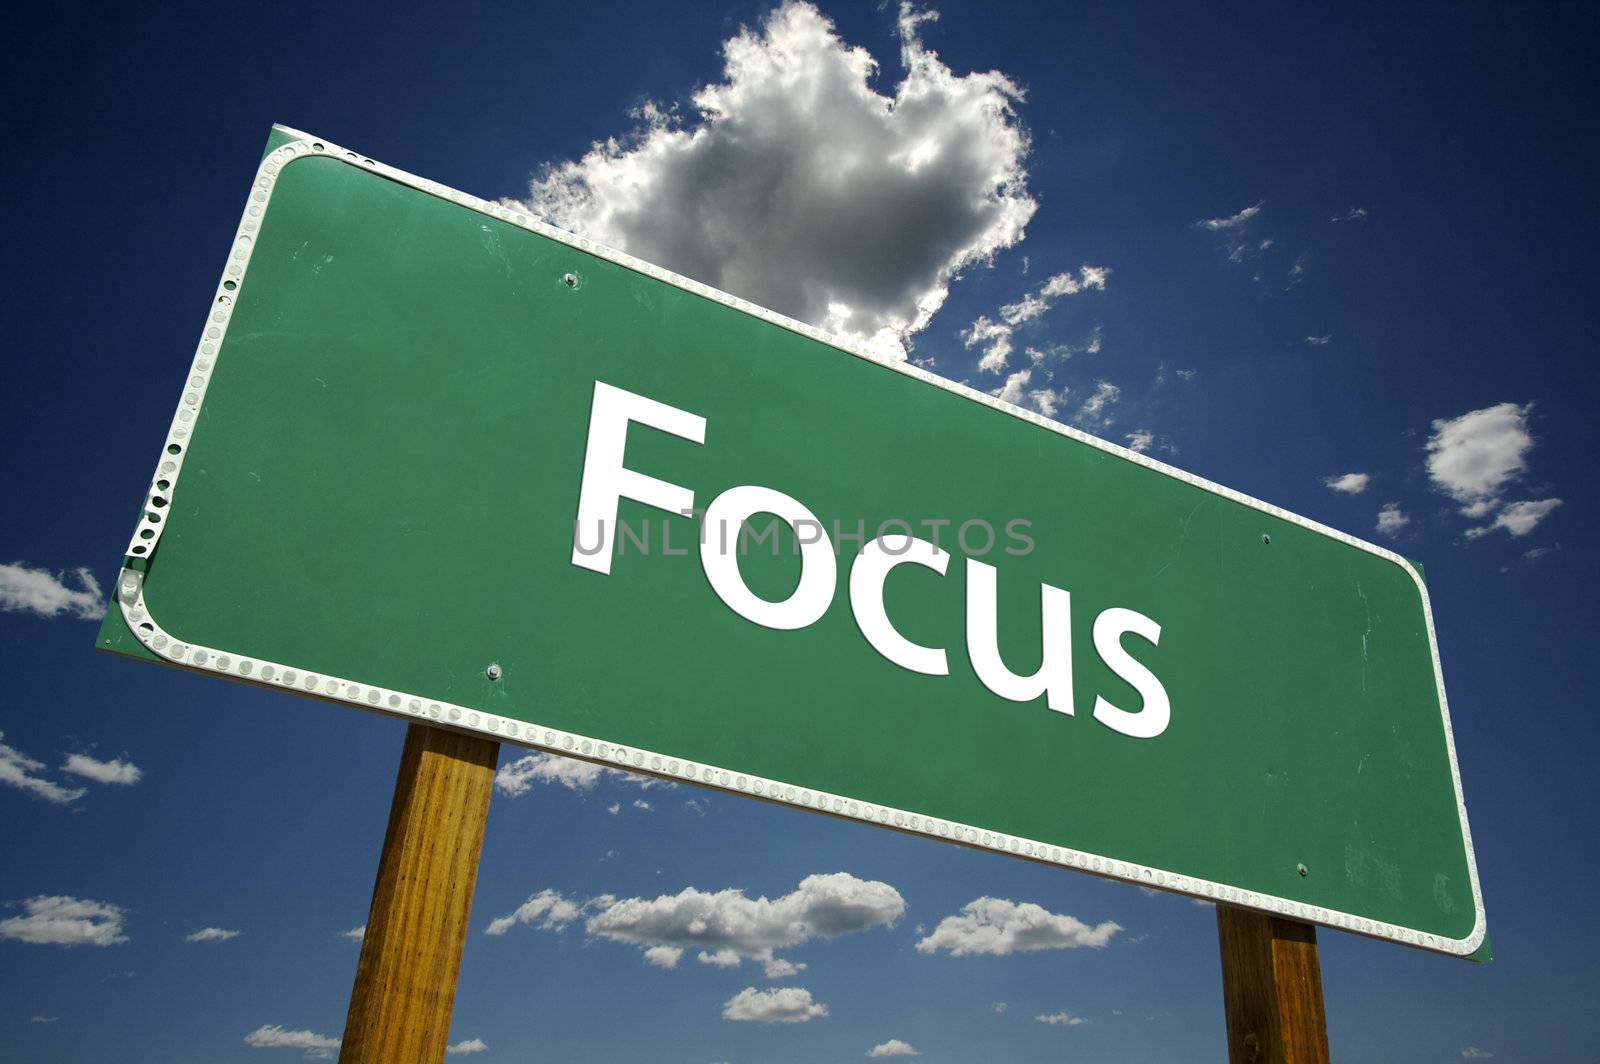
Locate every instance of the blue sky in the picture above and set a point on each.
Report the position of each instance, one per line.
(1298, 245)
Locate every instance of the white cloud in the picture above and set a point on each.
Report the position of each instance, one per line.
(1349, 483)
(1034, 304)
(1092, 412)
(1015, 389)
(1188, 374)
(1139, 440)
(1474, 1053)
(518, 777)
(663, 956)
(468, 1045)
(1354, 214)
(1518, 518)
(729, 926)
(26, 589)
(796, 185)
(274, 1036)
(1060, 1019)
(1232, 221)
(778, 968)
(999, 927)
(1391, 520)
(788, 1004)
(1318, 341)
(614, 808)
(1000, 1006)
(546, 909)
(894, 1047)
(21, 771)
(996, 337)
(722, 958)
(355, 934)
(211, 934)
(1472, 458)
(43, 1019)
(57, 920)
(118, 771)
(640, 803)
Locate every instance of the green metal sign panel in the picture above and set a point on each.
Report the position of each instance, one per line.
(437, 459)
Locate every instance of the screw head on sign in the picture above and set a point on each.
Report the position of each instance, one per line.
(493, 672)
(1302, 869)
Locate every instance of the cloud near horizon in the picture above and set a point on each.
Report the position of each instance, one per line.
(275, 1036)
(796, 185)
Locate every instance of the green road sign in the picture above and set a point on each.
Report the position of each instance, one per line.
(437, 459)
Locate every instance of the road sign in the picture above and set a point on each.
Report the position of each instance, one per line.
(437, 459)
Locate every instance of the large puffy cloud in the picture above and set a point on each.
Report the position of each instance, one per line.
(998, 927)
(1472, 458)
(26, 589)
(797, 185)
(724, 927)
(789, 1004)
(57, 920)
(728, 926)
(1476, 457)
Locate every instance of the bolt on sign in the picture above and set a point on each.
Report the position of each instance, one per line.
(437, 459)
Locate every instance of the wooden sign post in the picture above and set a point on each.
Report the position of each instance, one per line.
(406, 979)
(1271, 989)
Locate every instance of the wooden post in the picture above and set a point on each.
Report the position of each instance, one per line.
(1271, 989)
(406, 979)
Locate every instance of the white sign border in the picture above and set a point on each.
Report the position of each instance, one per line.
(136, 612)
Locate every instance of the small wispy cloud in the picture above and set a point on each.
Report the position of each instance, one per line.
(119, 771)
(996, 338)
(1475, 1053)
(355, 934)
(1348, 483)
(894, 1047)
(1060, 1019)
(1231, 221)
(1354, 214)
(468, 1045)
(276, 1036)
(1391, 519)
(1320, 341)
(211, 934)
(25, 589)
(25, 774)
(519, 777)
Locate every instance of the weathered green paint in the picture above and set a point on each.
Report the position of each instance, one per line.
(382, 482)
